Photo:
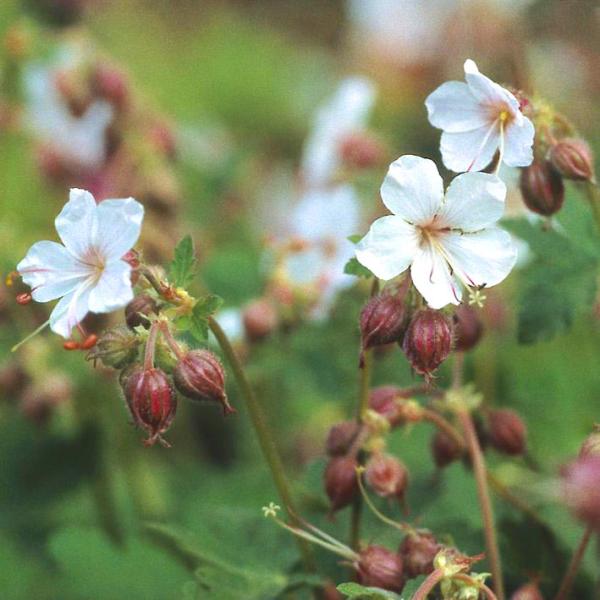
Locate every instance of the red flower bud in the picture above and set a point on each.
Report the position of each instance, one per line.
(573, 159)
(542, 188)
(379, 567)
(591, 444)
(386, 400)
(340, 437)
(111, 84)
(199, 375)
(428, 341)
(445, 450)
(260, 319)
(361, 151)
(581, 489)
(386, 476)
(151, 400)
(467, 327)
(137, 311)
(418, 550)
(529, 591)
(341, 483)
(382, 320)
(507, 432)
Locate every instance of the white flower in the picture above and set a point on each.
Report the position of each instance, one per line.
(320, 224)
(80, 140)
(478, 118)
(444, 240)
(345, 113)
(87, 272)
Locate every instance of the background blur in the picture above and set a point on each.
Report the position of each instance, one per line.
(210, 106)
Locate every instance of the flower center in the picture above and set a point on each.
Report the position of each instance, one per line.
(95, 261)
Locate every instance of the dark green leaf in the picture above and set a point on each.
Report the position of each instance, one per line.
(198, 321)
(353, 267)
(181, 272)
(355, 591)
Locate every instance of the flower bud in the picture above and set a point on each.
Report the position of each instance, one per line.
(542, 188)
(116, 347)
(444, 449)
(151, 400)
(341, 483)
(382, 320)
(340, 437)
(111, 84)
(386, 476)
(199, 375)
(387, 401)
(581, 489)
(260, 319)
(591, 444)
(137, 311)
(467, 328)
(507, 432)
(361, 151)
(529, 591)
(418, 550)
(573, 159)
(428, 341)
(379, 567)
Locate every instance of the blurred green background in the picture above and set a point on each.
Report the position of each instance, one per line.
(243, 79)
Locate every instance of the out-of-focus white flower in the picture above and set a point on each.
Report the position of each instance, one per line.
(342, 115)
(87, 272)
(319, 226)
(443, 239)
(78, 140)
(231, 322)
(478, 118)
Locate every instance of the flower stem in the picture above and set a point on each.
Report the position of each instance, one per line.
(569, 577)
(594, 200)
(265, 438)
(427, 586)
(151, 345)
(443, 425)
(479, 471)
(171, 341)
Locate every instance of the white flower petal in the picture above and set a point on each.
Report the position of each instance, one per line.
(119, 226)
(469, 150)
(389, 247)
(413, 188)
(113, 289)
(50, 270)
(487, 91)
(473, 201)
(71, 309)
(76, 224)
(452, 107)
(482, 258)
(518, 143)
(432, 278)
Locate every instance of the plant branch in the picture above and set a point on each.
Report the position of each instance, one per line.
(427, 586)
(569, 577)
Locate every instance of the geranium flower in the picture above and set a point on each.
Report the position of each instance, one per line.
(443, 239)
(478, 118)
(87, 272)
(342, 115)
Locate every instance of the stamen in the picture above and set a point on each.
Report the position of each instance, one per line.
(24, 298)
(10, 278)
(71, 345)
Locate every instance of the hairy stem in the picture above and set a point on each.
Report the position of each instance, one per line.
(151, 345)
(427, 586)
(569, 577)
(265, 437)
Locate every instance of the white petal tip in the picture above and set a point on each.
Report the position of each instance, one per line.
(470, 66)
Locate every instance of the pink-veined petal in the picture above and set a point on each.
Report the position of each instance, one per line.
(432, 278)
(470, 150)
(487, 91)
(113, 289)
(71, 309)
(518, 143)
(483, 258)
(76, 224)
(119, 226)
(413, 189)
(452, 107)
(51, 271)
(389, 247)
(473, 201)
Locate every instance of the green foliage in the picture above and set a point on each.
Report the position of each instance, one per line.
(204, 308)
(181, 272)
(355, 591)
(353, 267)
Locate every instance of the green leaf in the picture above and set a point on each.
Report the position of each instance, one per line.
(556, 285)
(181, 272)
(355, 591)
(353, 267)
(198, 321)
(355, 238)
